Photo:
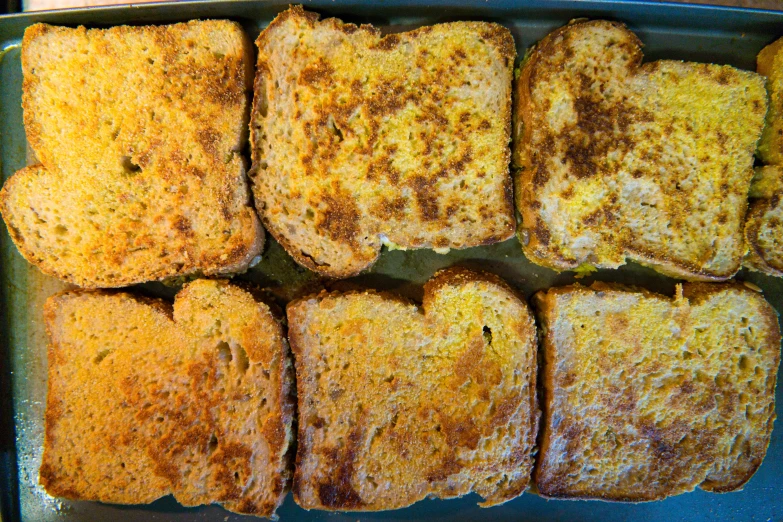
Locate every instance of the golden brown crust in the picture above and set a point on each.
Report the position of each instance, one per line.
(358, 453)
(156, 187)
(668, 441)
(697, 293)
(347, 134)
(166, 396)
(755, 256)
(544, 303)
(457, 276)
(596, 185)
(764, 222)
(769, 64)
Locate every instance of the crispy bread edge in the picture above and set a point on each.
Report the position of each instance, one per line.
(754, 259)
(769, 148)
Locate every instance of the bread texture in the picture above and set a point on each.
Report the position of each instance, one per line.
(621, 160)
(145, 400)
(138, 131)
(360, 140)
(398, 403)
(646, 396)
(764, 222)
(769, 63)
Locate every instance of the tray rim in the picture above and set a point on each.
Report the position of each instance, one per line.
(587, 5)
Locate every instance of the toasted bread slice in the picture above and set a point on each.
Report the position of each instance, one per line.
(646, 397)
(138, 131)
(397, 403)
(764, 222)
(143, 404)
(770, 64)
(623, 160)
(360, 140)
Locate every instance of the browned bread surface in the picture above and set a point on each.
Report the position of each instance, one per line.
(623, 160)
(145, 401)
(399, 402)
(764, 222)
(360, 140)
(138, 131)
(646, 396)
(770, 64)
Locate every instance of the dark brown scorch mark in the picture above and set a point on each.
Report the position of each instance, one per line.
(337, 491)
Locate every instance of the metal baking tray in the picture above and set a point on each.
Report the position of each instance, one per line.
(687, 32)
